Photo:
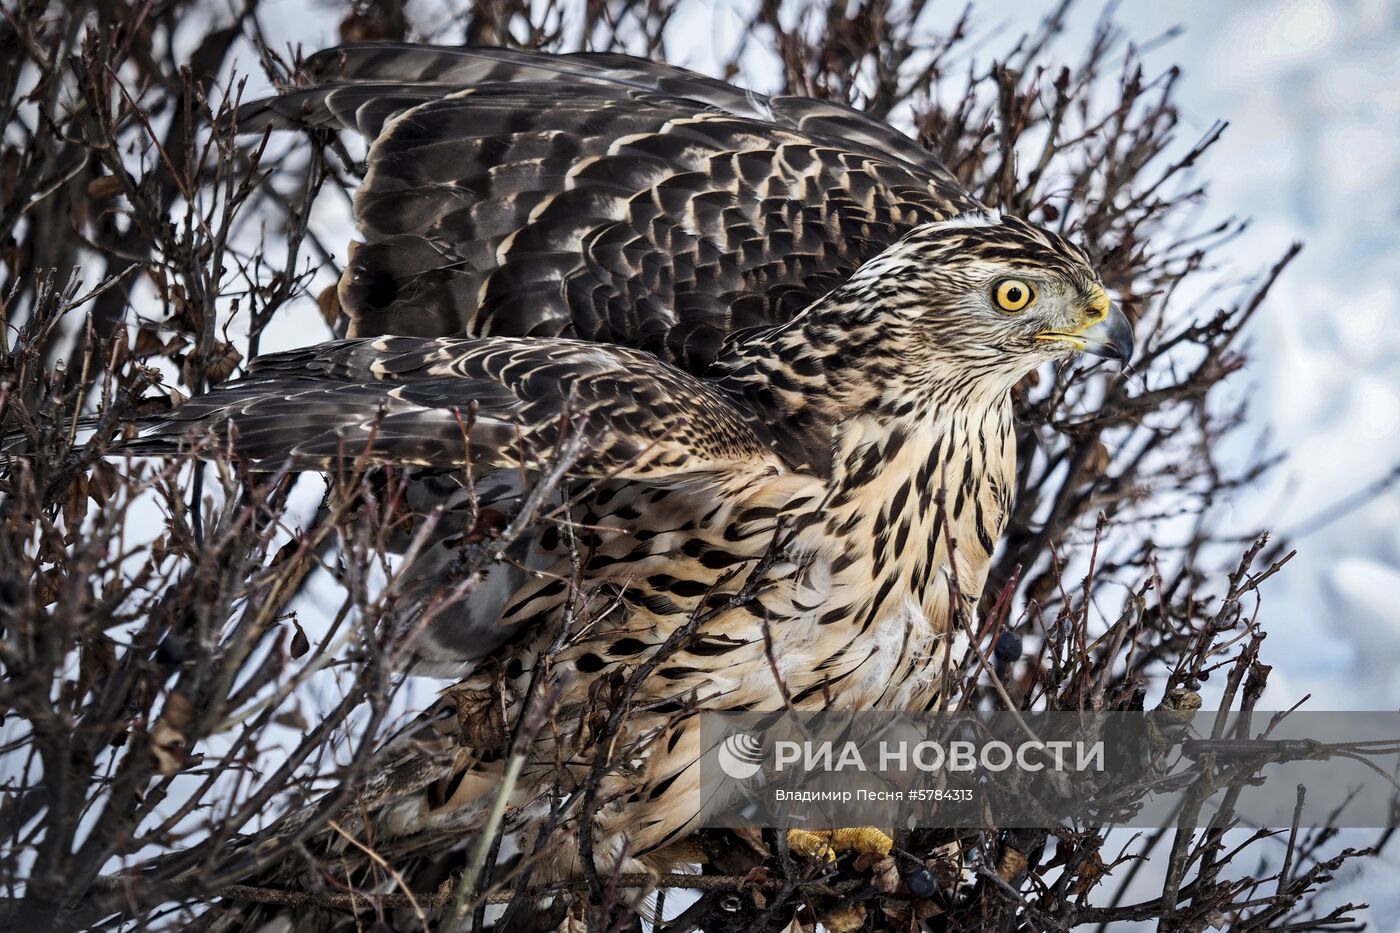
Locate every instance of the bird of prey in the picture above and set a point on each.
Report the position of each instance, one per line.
(784, 337)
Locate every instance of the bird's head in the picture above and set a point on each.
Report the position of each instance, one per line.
(984, 298)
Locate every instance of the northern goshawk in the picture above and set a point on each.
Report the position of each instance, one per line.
(779, 325)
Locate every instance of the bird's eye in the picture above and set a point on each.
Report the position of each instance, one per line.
(1013, 294)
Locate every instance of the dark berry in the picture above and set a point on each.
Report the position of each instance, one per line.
(1008, 647)
(920, 883)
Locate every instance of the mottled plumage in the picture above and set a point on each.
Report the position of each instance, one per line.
(600, 196)
(775, 323)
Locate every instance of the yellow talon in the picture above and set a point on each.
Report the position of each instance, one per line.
(806, 843)
(863, 840)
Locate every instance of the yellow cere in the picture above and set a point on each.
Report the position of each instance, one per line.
(1098, 308)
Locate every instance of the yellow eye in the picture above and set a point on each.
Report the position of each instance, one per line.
(1014, 294)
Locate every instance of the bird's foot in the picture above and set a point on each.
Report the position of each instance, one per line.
(828, 843)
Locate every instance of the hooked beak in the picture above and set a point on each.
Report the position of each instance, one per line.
(1111, 338)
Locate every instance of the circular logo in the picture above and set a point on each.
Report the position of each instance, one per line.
(741, 756)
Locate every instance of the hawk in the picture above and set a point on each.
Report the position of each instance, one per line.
(784, 337)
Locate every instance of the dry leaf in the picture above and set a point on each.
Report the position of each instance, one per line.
(223, 360)
(899, 917)
(300, 643)
(1099, 459)
(149, 342)
(925, 909)
(97, 660)
(576, 920)
(885, 876)
(329, 302)
(1090, 871)
(104, 482)
(1013, 864)
(104, 188)
(292, 719)
(75, 506)
(169, 742)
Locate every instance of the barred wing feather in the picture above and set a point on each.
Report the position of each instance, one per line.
(601, 197)
(497, 402)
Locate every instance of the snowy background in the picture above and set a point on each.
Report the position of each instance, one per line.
(1311, 90)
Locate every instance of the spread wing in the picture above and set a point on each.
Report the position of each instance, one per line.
(438, 402)
(600, 196)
